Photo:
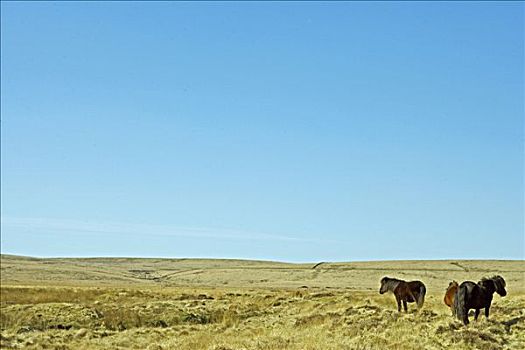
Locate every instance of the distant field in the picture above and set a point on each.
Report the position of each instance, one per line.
(125, 303)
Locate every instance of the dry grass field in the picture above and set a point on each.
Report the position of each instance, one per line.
(118, 303)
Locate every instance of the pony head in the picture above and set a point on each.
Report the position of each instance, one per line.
(384, 285)
(500, 285)
(494, 284)
(453, 284)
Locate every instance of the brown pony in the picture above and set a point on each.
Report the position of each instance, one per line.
(406, 292)
(449, 295)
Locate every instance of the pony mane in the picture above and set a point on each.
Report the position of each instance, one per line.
(389, 279)
(498, 281)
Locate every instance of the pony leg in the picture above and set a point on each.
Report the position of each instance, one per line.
(465, 316)
(398, 303)
(476, 314)
(487, 310)
(405, 305)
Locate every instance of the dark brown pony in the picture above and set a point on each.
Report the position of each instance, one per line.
(477, 296)
(449, 295)
(406, 292)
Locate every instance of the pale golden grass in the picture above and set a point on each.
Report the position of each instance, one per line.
(298, 313)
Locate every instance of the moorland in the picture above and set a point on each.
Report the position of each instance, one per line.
(133, 303)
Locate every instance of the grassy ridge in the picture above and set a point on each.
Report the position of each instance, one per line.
(235, 304)
(248, 273)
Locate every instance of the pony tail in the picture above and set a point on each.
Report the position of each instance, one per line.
(421, 296)
(459, 303)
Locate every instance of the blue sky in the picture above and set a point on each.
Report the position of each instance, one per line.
(286, 131)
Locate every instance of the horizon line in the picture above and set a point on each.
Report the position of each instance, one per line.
(3, 254)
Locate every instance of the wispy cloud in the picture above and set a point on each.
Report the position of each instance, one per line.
(80, 227)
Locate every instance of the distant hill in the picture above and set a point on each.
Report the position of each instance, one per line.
(24, 270)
